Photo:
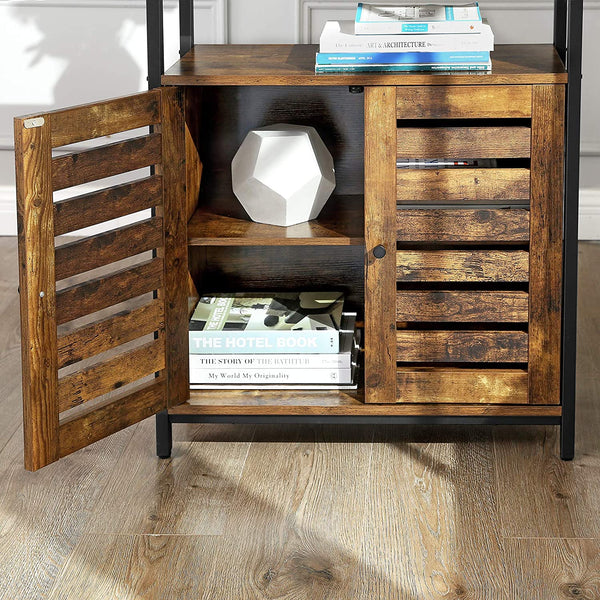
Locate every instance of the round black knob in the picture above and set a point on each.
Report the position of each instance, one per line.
(379, 251)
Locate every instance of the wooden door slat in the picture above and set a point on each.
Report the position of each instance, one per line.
(121, 411)
(462, 225)
(175, 251)
(462, 306)
(464, 102)
(107, 204)
(109, 333)
(462, 185)
(448, 385)
(101, 378)
(37, 294)
(380, 205)
(461, 346)
(112, 159)
(463, 142)
(462, 265)
(105, 248)
(545, 286)
(95, 120)
(86, 298)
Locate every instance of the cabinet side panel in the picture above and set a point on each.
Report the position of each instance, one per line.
(380, 229)
(35, 215)
(545, 270)
(175, 248)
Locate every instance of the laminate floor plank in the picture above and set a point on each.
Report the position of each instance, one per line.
(190, 493)
(298, 518)
(540, 495)
(135, 567)
(553, 569)
(43, 514)
(433, 529)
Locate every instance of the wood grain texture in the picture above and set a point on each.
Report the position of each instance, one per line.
(380, 207)
(470, 142)
(37, 285)
(193, 164)
(461, 306)
(109, 333)
(105, 248)
(93, 295)
(545, 262)
(44, 513)
(114, 414)
(462, 265)
(131, 567)
(553, 568)
(112, 159)
(175, 256)
(287, 533)
(339, 224)
(104, 118)
(249, 402)
(279, 64)
(432, 527)
(110, 203)
(464, 102)
(462, 225)
(481, 186)
(110, 374)
(462, 346)
(190, 494)
(448, 385)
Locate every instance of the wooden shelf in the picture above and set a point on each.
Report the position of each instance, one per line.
(279, 64)
(282, 402)
(339, 224)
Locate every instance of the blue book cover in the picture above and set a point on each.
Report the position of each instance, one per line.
(484, 66)
(384, 58)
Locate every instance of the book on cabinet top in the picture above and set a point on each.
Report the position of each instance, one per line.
(339, 36)
(373, 19)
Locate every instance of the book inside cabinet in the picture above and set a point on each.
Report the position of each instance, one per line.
(455, 274)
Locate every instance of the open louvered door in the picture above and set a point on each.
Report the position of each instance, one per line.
(103, 316)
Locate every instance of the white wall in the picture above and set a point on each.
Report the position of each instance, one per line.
(55, 53)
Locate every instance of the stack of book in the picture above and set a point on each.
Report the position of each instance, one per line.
(276, 340)
(427, 37)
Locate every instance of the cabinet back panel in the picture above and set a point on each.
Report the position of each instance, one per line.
(228, 114)
(236, 269)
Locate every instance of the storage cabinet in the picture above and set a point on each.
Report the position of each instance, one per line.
(456, 274)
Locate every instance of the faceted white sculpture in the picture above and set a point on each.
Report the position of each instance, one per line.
(283, 174)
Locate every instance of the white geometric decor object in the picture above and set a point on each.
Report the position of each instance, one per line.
(283, 174)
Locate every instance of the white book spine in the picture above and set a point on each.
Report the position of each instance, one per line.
(253, 376)
(338, 36)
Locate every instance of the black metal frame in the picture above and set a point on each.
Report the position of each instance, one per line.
(568, 31)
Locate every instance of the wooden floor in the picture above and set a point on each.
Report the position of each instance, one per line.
(245, 512)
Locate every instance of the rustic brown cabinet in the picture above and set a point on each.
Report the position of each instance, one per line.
(456, 274)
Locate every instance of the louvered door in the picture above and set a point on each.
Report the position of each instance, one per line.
(463, 273)
(103, 316)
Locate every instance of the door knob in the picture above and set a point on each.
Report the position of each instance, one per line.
(379, 251)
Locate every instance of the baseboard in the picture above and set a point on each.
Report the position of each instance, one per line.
(589, 214)
(8, 210)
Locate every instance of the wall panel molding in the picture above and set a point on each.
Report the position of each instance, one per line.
(306, 8)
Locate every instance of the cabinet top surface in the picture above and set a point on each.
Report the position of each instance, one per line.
(279, 64)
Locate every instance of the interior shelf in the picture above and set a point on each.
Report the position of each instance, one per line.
(279, 64)
(332, 402)
(339, 224)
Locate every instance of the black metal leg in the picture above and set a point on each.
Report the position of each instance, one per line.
(164, 434)
(567, 437)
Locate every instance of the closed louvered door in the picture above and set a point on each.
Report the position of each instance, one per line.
(103, 269)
